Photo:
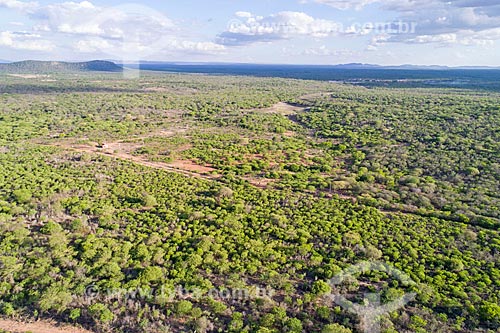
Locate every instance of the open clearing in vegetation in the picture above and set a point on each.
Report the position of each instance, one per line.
(84, 201)
(38, 327)
(124, 149)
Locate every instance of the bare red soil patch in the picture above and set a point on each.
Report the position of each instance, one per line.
(38, 327)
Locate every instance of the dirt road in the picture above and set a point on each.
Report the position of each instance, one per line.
(38, 327)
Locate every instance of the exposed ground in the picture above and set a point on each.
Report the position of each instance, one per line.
(123, 149)
(115, 150)
(284, 109)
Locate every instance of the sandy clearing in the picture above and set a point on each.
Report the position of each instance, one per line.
(123, 149)
(38, 327)
(282, 108)
(191, 169)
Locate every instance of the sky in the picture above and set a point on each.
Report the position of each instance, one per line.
(385, 32)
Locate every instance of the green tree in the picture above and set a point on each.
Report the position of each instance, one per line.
(101, 313)
(293, 325)
(335, 328)
(22, 196)
(490, 312)
(55, 298)
(321, 288)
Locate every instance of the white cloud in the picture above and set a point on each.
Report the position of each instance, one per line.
(18, 5)
(134, 50)
(324, 51)
(131, 30)
(394, 5)
(24, 41)
(79, 29)
(84, 18)
(438, 21)
(92, 45)
(376, 41)
(283, 25)
(6, 38)
(243, 14)
(197, 47)
(347, 4)
(463, 37)
(443, 38)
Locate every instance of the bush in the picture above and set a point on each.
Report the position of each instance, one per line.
(184, 307)
(335, 328)
(490, 312)
(101, 313)
(74, 314)
(323, 312)
(7, 309)
(321, 288)
(55, 298)
(236, 323)
(22, 196)
(294, 325)
(149, 201)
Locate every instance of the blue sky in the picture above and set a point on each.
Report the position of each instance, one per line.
(389, 32)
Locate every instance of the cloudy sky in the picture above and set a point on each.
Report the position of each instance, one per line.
(463, 32)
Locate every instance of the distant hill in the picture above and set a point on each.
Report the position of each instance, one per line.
(349, 66)
(37, 67)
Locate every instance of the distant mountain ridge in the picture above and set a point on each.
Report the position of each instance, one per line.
(47, 67)
(35, 66)
(333, 66)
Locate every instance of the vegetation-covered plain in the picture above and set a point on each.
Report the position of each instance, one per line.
(124, 204)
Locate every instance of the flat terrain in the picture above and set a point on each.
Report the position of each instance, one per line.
(38, 327)
(174, 198)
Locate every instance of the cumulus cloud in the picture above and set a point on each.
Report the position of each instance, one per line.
(438, 21)
(197, 47)
(324, 51)
(284, 25)
(463, 37)
(131, 50)
(84, 18)
(346, 4)
(92, 45)
(24, 41)
(250, 29)
(398, 5)
(18, 5)
(243, 14)
(131, 30)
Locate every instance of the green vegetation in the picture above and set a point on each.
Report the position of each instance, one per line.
(48, 67)
(418, 152)
(171, 183)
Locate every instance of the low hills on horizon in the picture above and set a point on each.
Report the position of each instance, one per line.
(34, 66)
(47, 67)
(333, 66)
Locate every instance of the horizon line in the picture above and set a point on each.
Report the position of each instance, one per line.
(187, 63)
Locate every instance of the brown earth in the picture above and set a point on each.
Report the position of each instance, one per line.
(284, 109)
(124, 149)
(38, 327)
